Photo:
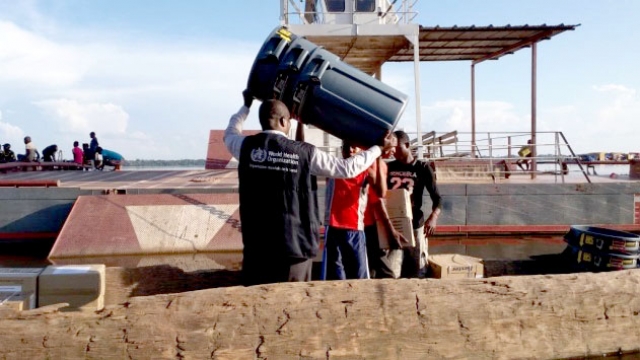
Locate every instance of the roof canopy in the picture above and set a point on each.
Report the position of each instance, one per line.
(368, 52)
(477, 43)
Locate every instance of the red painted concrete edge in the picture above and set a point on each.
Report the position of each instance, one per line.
(29, 183)
(497, 229)
(28, 235)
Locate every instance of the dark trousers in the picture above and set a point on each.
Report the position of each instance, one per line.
(266, 269)
(346, 254)
(383, 263)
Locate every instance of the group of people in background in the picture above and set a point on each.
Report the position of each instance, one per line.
(88, 157)
(279, 206)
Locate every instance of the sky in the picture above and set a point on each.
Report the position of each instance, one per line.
(152, 77)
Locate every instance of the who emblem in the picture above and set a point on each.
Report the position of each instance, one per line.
(258, 155)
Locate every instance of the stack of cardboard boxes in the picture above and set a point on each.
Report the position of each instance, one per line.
(80, 286)
(398, 204)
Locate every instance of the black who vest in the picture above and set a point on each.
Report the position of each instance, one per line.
(278, 198)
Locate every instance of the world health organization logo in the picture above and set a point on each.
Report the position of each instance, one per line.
(258, 155)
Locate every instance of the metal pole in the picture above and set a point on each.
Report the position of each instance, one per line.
(283, 12)
(473, 111)
(534, 152)
(416, 77)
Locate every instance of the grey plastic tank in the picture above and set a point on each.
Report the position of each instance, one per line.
(344, 101)
(290, 67)
(265, 67)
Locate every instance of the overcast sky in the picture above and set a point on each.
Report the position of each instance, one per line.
(152, 77)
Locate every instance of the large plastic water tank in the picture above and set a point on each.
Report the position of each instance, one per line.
(265, 67)
(345, 101)
(289, 69)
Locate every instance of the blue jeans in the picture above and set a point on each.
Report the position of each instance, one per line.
(346, 254)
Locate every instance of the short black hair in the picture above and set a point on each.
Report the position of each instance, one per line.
(402, 136)
(75, 143)
(271, 110)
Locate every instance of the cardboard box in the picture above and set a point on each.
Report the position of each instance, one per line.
(81, 286)
(27, 278)
(13, 297)
(403, 225)
(455, 266)
(398, 203)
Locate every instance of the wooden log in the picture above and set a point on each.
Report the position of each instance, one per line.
(533, 317)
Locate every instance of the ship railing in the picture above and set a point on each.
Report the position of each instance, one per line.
(493, 156)
(314, 12)
(499, 151)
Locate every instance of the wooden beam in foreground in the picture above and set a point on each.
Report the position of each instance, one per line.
(534, 317)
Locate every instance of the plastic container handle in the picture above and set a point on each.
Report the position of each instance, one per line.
(321, 66)
(302, 58)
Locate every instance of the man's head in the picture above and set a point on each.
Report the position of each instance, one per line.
(6, 147)
(348, 149)
(92, 134)
(402, 151)
(75, 144)
(389, 153)
(27, 139)
(274, 115)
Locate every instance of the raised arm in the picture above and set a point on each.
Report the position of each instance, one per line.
(378, 177)
(324, 164)
(233, 137)
(300, 131)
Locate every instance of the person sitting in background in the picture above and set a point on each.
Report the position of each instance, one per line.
(99, 163)
(78, 154)
(86, 156)
(8, 155)
(31, 151)
(525, 152)
(112, 158)
(49, 153)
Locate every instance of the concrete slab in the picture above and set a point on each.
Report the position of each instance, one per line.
(150, 224)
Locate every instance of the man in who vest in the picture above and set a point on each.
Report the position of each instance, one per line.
(278, 200)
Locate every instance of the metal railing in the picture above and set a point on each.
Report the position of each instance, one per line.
(553, 153)
(497, 154)
(314, 12)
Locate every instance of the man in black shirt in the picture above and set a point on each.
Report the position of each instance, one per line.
(49, 153)
(407, 172)
(8, 155)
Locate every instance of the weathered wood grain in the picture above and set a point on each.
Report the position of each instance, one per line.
(536, 317)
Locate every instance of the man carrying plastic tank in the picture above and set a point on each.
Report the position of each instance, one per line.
(407, 172)
(278, 193)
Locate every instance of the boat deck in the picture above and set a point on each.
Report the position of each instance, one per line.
(227, 179)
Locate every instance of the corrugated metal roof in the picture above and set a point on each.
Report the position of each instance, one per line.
(477, 43)
(473, 43)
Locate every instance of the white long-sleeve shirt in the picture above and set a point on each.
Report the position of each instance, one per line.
(322, 164)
